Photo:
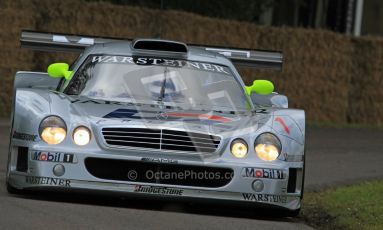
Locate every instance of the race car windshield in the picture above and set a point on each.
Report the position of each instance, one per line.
(186, 84)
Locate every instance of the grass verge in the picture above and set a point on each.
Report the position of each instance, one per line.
(352, 207)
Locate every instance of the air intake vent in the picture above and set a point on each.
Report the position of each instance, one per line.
(291, 186)
(161, 139)
(160, 45)
(111, 169)
(22, 159)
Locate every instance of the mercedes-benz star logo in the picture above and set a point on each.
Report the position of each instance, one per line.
(162, 116)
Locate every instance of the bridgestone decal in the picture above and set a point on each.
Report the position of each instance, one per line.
(24, 136)
(158, 190)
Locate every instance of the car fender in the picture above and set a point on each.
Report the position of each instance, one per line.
(27, 80)
(33, 105)
(291, 126)
(24, 79)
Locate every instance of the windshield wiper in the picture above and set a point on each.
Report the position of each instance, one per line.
(163, 87)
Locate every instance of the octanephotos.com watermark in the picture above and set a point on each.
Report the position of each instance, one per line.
(183, 175)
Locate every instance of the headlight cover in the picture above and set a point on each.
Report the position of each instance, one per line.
(81, 135)
(267, 147)
(239, 148)
(52, 130)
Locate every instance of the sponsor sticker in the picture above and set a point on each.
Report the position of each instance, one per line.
(158, 190)
(264, 173)
(162, 62)
(291, 158)
(24, 136)
(47, 181)
(264, 198)
(283, 124)
(54, 157)
(159, 160)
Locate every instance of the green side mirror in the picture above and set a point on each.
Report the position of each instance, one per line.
(263, 87)
(58, 70)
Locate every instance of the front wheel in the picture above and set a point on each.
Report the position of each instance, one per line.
(289, 213)
(13, 190)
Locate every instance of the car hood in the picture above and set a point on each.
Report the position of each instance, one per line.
(103, 114)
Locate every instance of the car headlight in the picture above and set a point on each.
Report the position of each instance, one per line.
(239, 148)
(52, 130)
(81, 135)
(267, 147)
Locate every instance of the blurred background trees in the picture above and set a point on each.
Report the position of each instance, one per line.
(357, 17)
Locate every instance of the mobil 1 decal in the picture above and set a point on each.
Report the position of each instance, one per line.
(264, 173)
(53, 157)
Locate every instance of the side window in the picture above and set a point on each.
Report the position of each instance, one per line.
(81, 77)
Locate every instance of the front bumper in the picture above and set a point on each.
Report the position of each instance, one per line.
(40, 175)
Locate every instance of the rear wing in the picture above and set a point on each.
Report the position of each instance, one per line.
(77, 43)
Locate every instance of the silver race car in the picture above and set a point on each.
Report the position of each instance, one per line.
(155, 118)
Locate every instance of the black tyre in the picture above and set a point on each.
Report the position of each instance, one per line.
(290, 213)
(13, 190)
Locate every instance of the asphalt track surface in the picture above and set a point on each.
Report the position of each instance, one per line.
(334, 157)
